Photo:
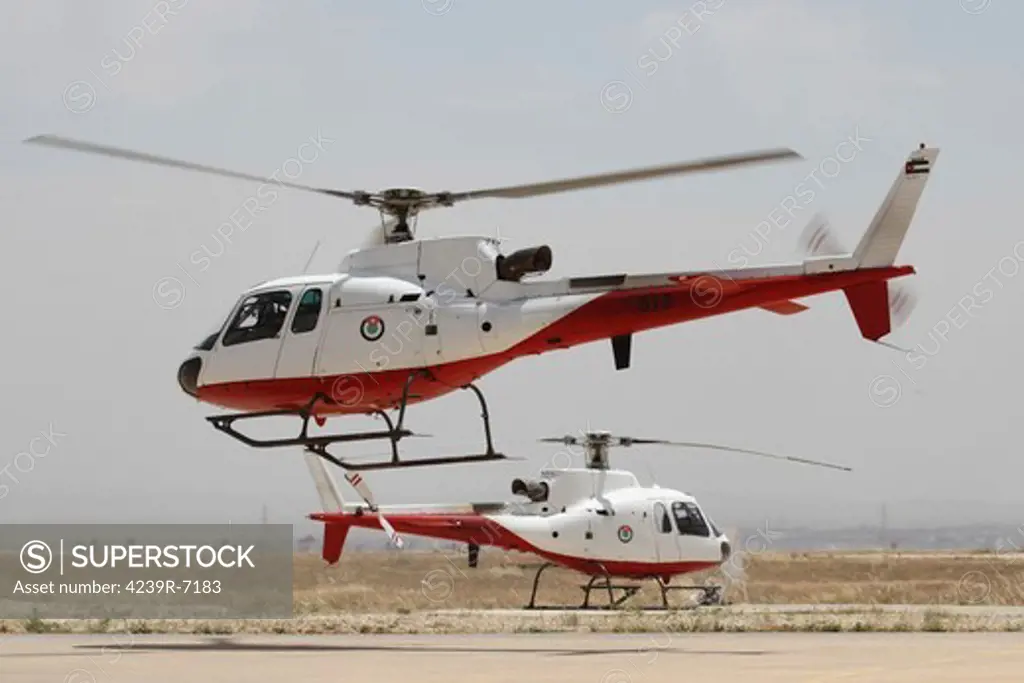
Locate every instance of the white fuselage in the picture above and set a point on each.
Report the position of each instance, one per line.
(439, 302)
(606, 515)
(590, 518)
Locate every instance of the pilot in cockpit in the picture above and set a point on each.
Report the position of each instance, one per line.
(260, 318)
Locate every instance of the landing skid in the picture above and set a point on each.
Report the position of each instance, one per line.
(710, 595)
(394, 433)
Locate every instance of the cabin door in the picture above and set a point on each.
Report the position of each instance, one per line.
(666, 540)
(302, 337)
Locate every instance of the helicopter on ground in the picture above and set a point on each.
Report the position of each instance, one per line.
(594, 520)
(407, 320)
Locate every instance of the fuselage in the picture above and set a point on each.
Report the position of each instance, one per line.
(440, 309)
(594, 521)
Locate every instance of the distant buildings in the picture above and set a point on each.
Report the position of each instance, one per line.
(308, 544)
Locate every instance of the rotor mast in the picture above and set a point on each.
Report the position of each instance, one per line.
(596, 446)
(399, 208)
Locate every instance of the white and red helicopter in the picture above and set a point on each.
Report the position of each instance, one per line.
(594, 520)
(406, 320)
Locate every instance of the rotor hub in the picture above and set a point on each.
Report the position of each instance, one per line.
(401, 196)
(596, 445)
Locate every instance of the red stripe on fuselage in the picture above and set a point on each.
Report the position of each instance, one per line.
(615, 313)
(485, 531)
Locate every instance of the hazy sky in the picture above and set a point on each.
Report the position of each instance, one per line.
(453, 95)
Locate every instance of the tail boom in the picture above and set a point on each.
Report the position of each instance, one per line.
(465, 528)
(629, 311)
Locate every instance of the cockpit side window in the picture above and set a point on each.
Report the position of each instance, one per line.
(689, 520)
(661, 518)
(308, 311)
(260, 316)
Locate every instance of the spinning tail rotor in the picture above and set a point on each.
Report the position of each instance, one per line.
(818, 239)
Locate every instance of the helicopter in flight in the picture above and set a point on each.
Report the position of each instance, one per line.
(593, 519)
(406, 320)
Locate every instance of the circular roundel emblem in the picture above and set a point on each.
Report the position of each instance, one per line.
(372, 328)
(625, 533)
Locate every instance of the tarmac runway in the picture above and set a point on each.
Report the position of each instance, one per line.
(978, 611)
(559, 658)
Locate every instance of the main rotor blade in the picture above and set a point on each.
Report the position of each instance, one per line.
(393, 536)
(692, 444)
(565, 440)
(628, 176)
(119, 153)
(361, 487)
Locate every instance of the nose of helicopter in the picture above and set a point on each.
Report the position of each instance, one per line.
(188, 376)
(723, 543)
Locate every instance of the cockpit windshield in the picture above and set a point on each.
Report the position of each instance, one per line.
(211, 339)
(689, 520)
(260, 316)
(714, 529)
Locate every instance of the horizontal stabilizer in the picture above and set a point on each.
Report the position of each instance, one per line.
(784, 307)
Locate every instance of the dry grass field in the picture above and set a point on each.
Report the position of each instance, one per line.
(423, 592)
(411, 582)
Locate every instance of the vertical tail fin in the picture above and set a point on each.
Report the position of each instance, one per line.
(870, 305)
(872, 302)
(335, 534)
(875, 304)
(331, 501)
(880, 244)
(326, 489)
